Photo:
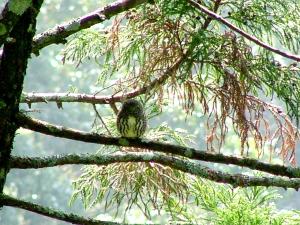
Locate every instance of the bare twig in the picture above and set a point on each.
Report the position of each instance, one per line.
(243, 33)
(114, 107)
(59, 131)
(99, 116)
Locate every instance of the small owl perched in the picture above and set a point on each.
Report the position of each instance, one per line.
(131, 120)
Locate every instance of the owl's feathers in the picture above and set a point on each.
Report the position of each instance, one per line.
(131, 120)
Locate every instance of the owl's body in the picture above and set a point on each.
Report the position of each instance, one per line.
(131, 120)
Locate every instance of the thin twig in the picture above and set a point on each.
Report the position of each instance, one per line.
(114, 107)
(102, 121)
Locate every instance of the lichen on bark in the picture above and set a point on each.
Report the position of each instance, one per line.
(19, 6)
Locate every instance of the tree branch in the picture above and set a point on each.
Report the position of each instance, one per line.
(30, 98)
(34, 97)
(59, 33)
(195, 168)
(59, 131)
(49, 212)
(243, 33)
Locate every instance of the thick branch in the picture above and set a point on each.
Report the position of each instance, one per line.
(94, 99)
(243, 33)
(59, 131)
(45, 211)
(237, 180)
(59, 33)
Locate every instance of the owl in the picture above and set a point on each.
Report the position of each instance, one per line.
(131, 119)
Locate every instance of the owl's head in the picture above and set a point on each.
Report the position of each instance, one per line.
(132, 106)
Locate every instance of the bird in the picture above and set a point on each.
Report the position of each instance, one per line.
(131, 119)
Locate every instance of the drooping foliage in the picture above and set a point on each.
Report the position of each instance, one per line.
(219, 70)
(171, 50)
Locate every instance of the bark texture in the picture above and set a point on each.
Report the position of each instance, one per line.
(12, 71)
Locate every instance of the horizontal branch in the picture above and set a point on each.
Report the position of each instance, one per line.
(66, 97)
(59, 131)
(243, 33)
(194, 168)
(59, 33)
(30, 98)
(46, 211)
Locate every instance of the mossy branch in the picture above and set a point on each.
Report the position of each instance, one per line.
(194, 168)
(49, 212)
(59, 131)
(34, 97)
(243, 33)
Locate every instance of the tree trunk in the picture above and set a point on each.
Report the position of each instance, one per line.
(16, 52)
